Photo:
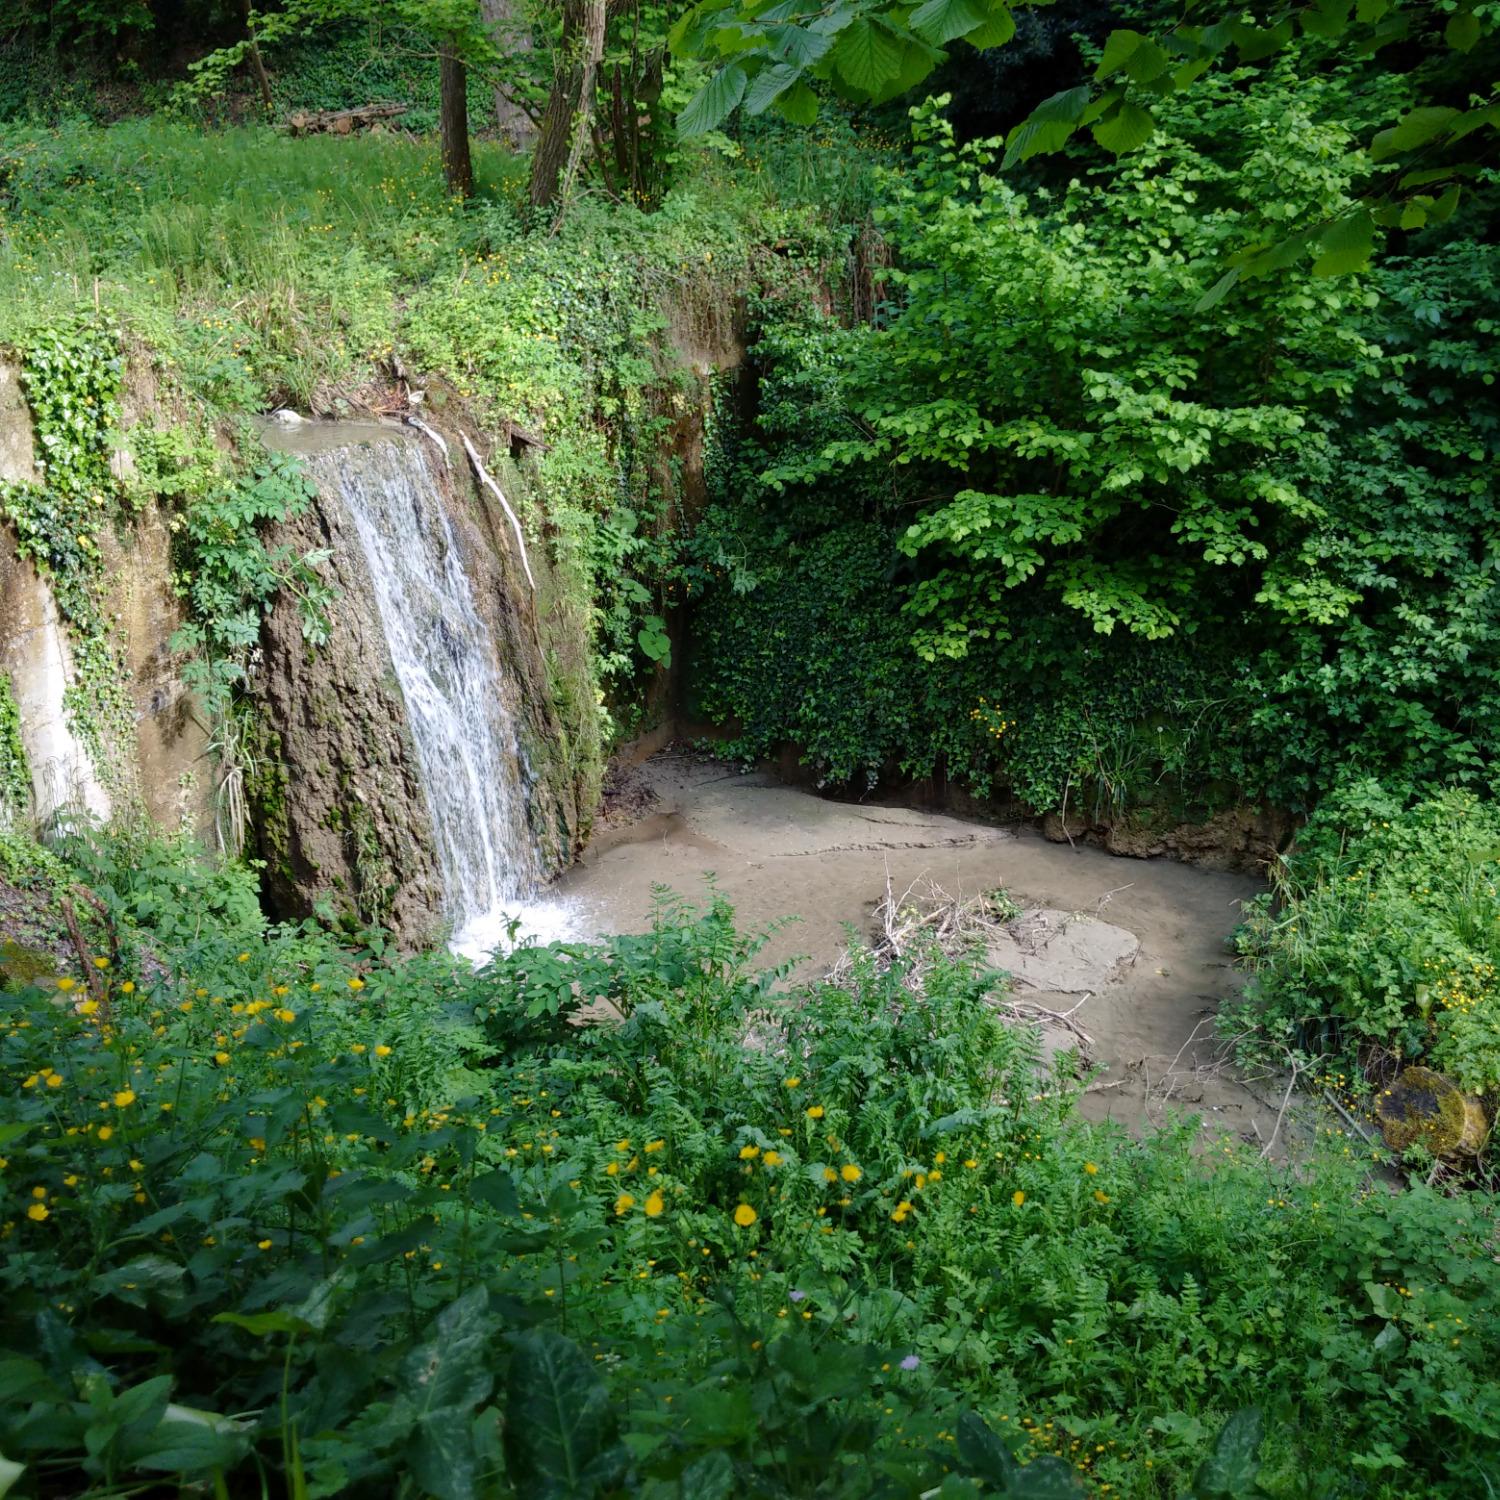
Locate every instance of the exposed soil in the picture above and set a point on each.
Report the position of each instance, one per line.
(777, 852)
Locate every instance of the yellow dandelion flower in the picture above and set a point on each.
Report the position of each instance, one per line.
(655, 1203)
(745, 1216)
(38, 1212)
(382, 1050)
(815, 1112)
(624, 1203)
(772, 1158)
(655, 1145)
(850, 1173)
(1090, 1168)
(749, 1153)
(1018, 1197)
(124, 1098)
(791, 1083)
(105, 1131)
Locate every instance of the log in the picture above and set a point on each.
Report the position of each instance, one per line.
(341, 121)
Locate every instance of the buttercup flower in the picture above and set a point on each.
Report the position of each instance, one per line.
(745, 1216)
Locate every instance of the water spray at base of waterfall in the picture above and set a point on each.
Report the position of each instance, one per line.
(524, 924)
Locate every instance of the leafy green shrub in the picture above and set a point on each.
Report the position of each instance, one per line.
(356, 1223)
(1384, 931)
(1050, 439)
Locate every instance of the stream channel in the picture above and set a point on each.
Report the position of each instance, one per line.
(1136, 949)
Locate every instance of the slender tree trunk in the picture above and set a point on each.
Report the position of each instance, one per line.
(453, 110)
(257, 65)
(565, 125)
(512, 36)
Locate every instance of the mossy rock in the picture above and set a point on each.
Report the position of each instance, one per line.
(20, 965)
(1423, 1107)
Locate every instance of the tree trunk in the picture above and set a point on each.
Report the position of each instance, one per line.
(512, 37)
(257, 65)
(453, 110)
(565, 125)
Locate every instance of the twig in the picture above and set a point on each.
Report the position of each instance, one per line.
(91, 976)
(1286, 1099)
(485, 479)
(431, 432)
(1349, 1119)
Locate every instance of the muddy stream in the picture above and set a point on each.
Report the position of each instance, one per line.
(1137, 949)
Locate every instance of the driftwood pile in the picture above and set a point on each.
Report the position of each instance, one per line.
(341, 121)
(925, 921)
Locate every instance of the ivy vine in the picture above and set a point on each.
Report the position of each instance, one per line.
(72, 377)
(15, 773)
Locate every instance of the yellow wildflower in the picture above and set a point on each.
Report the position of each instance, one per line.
(745, 1216)
(749, 1153)
(1018, 1197)
(124, 1098)
(815, 1112)
(37, 1212)
(624, 1203)
(654, 1204)
(850, 1173)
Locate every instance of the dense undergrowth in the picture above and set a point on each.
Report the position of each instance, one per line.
(1050, 524)
(283, 1210)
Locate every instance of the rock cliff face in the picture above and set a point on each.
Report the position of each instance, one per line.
(161, 763)
(338, 800)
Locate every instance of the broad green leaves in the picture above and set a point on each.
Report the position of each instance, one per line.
(871, 51)
(772, 57)
(715, 101)
(559, 1427)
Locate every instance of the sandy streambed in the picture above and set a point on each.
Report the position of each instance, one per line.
(1136, 949)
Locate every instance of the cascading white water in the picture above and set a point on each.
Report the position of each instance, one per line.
(457, 705)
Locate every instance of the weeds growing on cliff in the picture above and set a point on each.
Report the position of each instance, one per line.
(283, 1205)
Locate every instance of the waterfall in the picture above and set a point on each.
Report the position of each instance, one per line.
(458, 698)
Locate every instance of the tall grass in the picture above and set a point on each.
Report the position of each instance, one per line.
(257, 260)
